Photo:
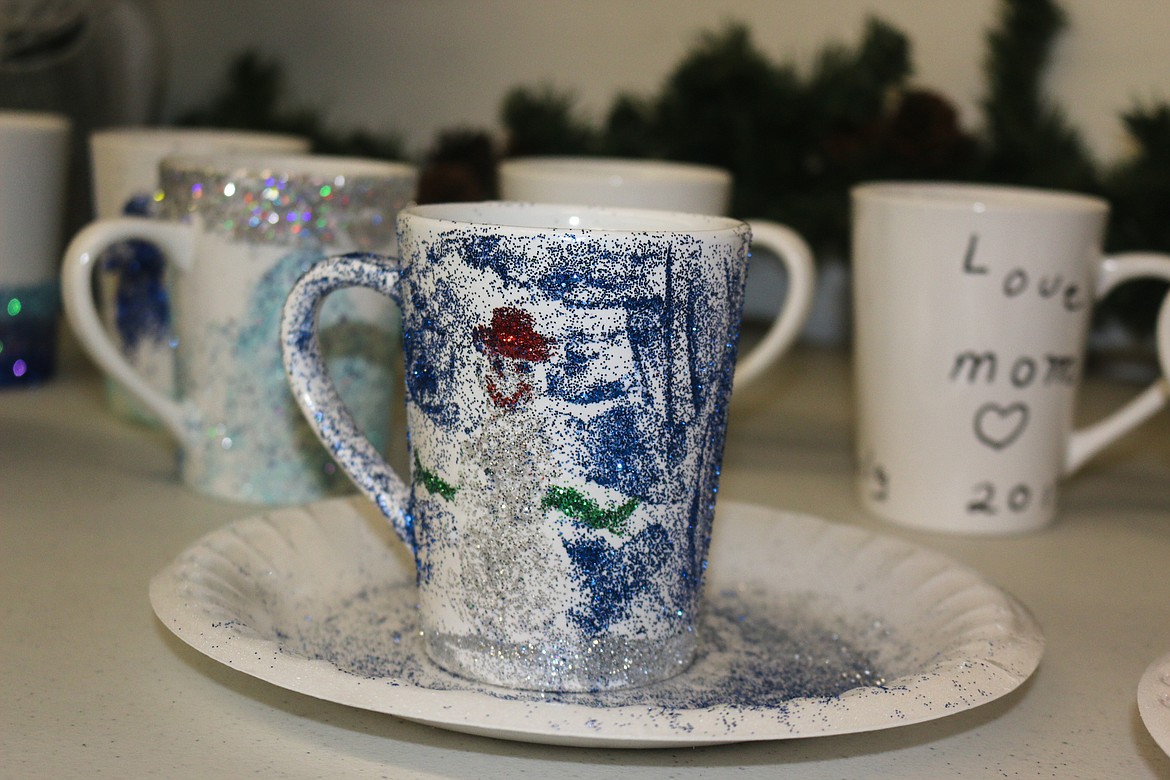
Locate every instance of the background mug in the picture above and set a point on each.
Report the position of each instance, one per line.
(132, 286)
(238, 232)
(674, 186)
(972, 305)
(566, 420)
(619, 182)
(34, 155)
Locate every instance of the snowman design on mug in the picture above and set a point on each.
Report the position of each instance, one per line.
(508, 497)
(567, 376)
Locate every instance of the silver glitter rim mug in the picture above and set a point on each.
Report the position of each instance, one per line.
(235, 233)
(568, 371)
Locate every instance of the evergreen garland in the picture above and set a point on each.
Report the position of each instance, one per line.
(254, 98)
(1138, 190)
(794, 144)
(1027, 139)
(541, 120)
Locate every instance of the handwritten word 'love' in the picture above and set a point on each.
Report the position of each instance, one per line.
(1018, 281)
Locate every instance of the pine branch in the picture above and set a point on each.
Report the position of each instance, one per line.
(1028, 139)
(542, 120)
(253, 98)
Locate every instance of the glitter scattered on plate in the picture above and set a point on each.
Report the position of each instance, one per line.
(810, 629)
(1154, 701)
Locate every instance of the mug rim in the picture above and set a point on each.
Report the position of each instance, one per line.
(46, 121)
(975, 196)
(610, 170)
(242, 140)
(282, 164)
(524, 218)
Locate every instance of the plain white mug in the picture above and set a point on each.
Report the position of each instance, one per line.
(972, 305)
(34, 156)
(672, 186)
(620, 182)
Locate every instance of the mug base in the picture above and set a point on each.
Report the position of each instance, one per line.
(600, 664)
(944, 521)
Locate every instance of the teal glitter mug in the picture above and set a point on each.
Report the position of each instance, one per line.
(236, 232)
(567, 373)
(131, 288)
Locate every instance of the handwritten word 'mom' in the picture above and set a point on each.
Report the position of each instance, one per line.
(1022, 372)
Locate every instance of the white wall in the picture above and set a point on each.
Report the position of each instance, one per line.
(419, 66)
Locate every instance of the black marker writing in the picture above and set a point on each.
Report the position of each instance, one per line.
(1018, 281)
(999, 426)
(878, 476)
(985, 499)
(1072, 298)
(974, 362)
(972, 367)
(969, 258)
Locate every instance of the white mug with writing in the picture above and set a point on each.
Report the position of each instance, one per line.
(972, 304)
(673, 186)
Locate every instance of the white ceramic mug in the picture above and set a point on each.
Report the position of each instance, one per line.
(239, 231)
(134, 299)
(972, 305)
(566, 422)
(620, 182)
(673, 186)
(34, 154)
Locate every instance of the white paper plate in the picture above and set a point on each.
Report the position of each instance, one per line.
(1154, 701)
(811, 628)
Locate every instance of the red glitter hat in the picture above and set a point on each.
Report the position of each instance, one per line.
(513, 335)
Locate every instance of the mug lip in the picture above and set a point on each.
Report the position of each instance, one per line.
(241, 140)
(976, 196)
(43, 121)
(614, 171)
(534, 219)
(282, 165)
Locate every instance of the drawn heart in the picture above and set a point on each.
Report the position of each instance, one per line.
(998, 426)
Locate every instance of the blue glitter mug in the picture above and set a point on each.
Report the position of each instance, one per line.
(238, 231)
(567, 372)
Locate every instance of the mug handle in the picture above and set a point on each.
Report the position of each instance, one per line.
(1163, 331)
(794, 254)
(315, 392)
(176, 242)
(1087, 442)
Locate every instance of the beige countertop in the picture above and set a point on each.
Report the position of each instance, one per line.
(93, 684)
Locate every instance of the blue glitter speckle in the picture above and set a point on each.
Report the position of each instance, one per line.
(614, 576)
(757, 651)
